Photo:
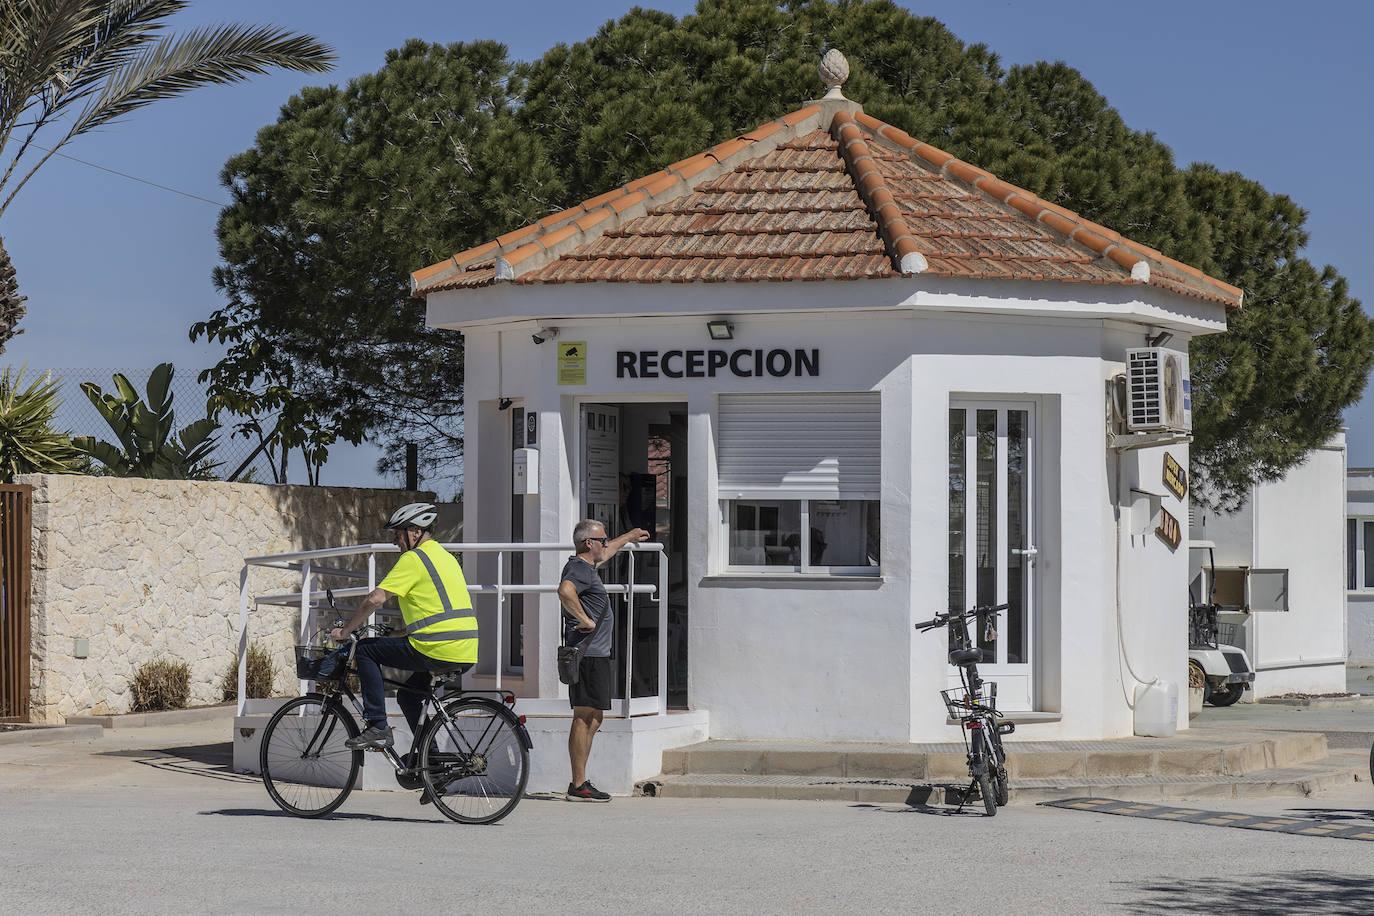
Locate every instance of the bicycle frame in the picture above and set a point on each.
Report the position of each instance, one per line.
(431, 700)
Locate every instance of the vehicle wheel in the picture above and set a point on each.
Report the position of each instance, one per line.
(982, 777)
(1371, 764)
(305, 766)
(1225, 696)
(474, 762)
(1198, 678)
(997, 766)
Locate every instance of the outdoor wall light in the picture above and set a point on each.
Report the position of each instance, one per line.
(720, 330)
(1160, 339)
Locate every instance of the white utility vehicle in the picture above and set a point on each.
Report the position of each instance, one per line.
(1225, 670)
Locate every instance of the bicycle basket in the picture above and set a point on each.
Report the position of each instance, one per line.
(962, 706)
(308, 660)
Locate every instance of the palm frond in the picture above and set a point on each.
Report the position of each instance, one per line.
(38, 40)
(212, 55)
(128, 25)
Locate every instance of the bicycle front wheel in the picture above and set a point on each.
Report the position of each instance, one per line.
(305, 766)
(474, 761)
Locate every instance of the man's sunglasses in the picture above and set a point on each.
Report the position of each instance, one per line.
(603, 541)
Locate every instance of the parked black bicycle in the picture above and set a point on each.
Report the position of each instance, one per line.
(974, 706)
(470, 753)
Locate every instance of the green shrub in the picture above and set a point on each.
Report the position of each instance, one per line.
(161, 684)
(261, 675)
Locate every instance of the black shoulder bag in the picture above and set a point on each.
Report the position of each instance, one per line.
(570, 657)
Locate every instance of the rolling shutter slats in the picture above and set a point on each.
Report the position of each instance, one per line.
(799, 446)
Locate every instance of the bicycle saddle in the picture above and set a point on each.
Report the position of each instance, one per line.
(969, 656)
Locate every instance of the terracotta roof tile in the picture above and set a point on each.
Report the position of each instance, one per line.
(795, 203)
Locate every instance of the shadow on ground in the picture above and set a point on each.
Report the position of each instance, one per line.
(1349, 816)
(215, 761)
(1251, 895)
(336, 816)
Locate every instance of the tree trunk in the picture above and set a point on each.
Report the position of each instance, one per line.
(11, 303)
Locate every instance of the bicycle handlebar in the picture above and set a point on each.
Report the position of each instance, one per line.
(940, 620)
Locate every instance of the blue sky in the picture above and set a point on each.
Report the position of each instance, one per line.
(117, 271)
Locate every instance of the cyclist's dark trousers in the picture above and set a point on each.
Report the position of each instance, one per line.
(394, 652)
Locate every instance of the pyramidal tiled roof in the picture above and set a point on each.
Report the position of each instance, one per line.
(825, 193)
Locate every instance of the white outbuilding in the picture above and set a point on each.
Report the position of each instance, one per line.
(848, 381)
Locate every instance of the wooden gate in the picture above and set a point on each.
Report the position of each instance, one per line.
(16, 518)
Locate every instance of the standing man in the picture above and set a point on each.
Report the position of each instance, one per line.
(587, 608)
(440, 629)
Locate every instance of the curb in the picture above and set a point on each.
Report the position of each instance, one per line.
(50, 734)
(1319, 702)
(195, 714)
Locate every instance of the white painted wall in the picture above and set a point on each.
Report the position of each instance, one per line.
(1300, 525)
(1296, 523)
(775, 657)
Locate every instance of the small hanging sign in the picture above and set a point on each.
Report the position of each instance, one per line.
(1169, 531)
(1175, 477)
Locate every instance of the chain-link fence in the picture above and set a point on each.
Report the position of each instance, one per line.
(79, 416)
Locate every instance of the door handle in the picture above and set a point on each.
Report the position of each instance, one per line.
(1030, 553)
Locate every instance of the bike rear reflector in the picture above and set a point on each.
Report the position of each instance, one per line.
(522, 720)
(973, 724)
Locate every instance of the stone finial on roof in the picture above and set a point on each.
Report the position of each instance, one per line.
(834, 70)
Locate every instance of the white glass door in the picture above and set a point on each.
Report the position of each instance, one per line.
(992, 542)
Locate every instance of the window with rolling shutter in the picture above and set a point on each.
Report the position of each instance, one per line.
(799, 479)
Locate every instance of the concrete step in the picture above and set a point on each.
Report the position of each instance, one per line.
(1300, 779)
(1212, 754)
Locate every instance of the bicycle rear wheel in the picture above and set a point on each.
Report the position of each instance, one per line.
(982, 774)
(997, 766)
(474, 762)
(305, 766)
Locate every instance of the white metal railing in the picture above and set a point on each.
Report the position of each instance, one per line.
(313, 563)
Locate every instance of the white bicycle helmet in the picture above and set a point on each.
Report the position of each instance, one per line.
(418, 515)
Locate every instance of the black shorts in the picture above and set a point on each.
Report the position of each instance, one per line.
(594, 687)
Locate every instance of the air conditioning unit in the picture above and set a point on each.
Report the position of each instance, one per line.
(1158, 395)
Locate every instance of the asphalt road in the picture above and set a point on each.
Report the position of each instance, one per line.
(151, 821)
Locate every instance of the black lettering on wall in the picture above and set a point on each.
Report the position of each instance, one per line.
(715, 359)
(648, 364)
(669, 371)
(810, 363)
(735, 359)
(779, 363)
(625, 364)
(696, 360)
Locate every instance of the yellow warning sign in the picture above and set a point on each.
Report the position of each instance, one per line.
(572, 362)
(1175, 477)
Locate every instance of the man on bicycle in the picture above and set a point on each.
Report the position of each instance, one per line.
(440, 629)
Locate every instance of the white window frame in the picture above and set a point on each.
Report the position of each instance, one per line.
(1360, 557)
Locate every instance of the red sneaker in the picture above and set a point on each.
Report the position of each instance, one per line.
(586, 793)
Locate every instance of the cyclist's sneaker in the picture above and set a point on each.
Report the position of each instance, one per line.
(586, 793)
(374, 736)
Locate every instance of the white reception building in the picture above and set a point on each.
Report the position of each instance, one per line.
(848, 381)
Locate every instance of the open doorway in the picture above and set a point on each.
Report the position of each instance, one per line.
(634, 475)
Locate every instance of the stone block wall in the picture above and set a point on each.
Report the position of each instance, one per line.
(149, 569)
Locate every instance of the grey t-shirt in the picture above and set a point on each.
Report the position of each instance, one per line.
(595, 602)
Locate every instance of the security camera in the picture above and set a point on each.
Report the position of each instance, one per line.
(544, 334)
